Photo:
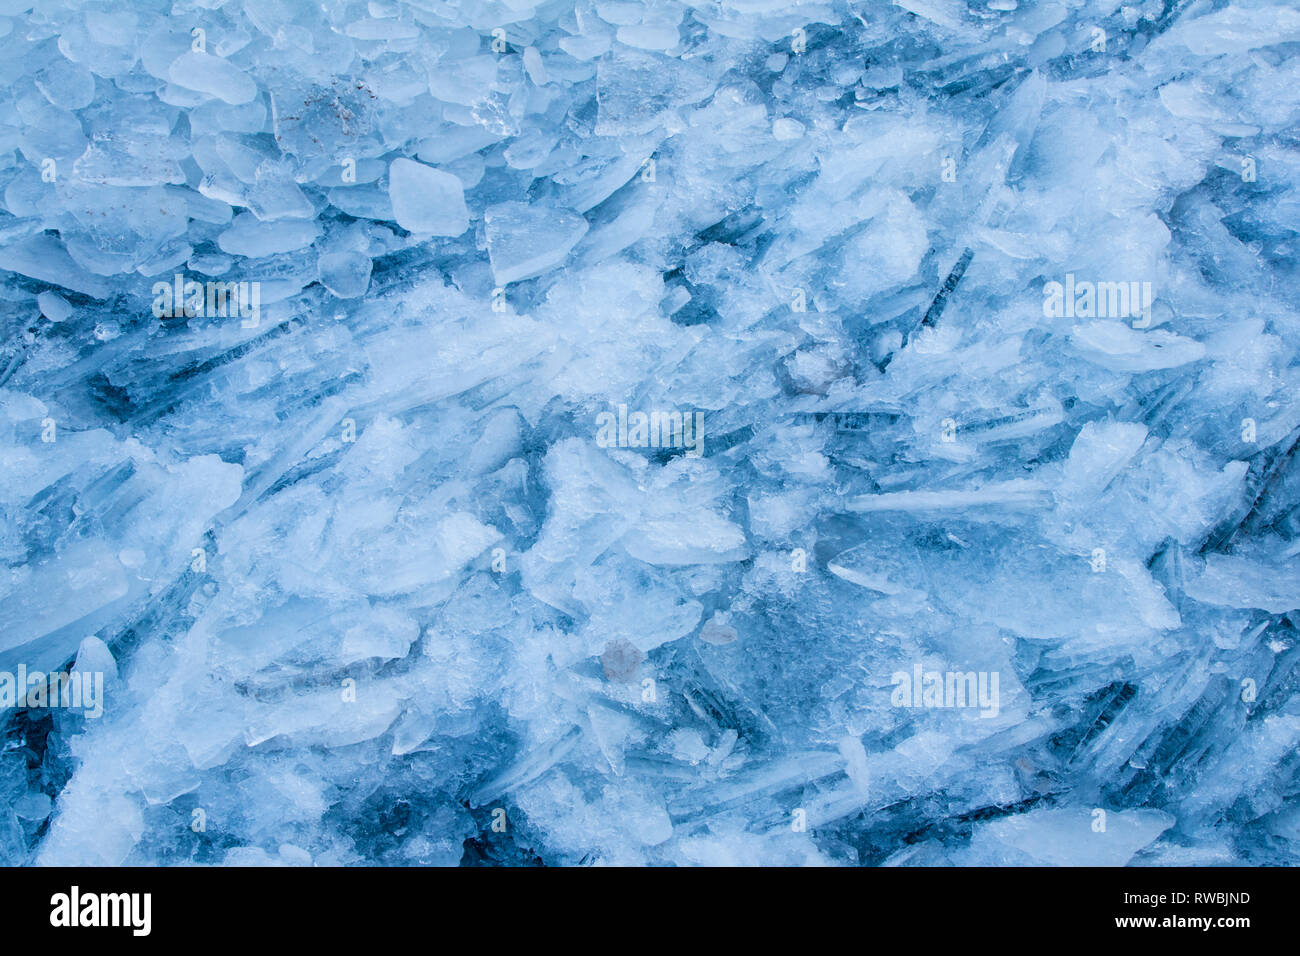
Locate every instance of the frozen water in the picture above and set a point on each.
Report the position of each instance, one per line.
(345, 274)
(526, 241)
(426, 200)
(651, 433)
(213, 75)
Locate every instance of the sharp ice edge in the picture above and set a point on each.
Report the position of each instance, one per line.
(367, 586)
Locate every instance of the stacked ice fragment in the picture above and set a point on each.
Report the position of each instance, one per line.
(350, 351)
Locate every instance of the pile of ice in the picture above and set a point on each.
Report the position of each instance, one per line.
(520, 432)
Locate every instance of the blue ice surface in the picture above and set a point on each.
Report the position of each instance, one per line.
(705, 432)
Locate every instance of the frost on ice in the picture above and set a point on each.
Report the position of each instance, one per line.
(387, 539)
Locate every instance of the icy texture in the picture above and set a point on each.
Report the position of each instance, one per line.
(367, 582)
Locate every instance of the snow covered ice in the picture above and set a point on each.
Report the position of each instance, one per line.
(466, 432)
